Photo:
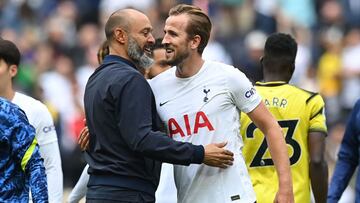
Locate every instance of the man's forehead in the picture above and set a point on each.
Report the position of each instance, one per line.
(137, 19)
(141, 26)
(2, 61)
(177, 21)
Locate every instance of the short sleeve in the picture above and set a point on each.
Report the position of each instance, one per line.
(243, 93)
(317, 115)
(45, 129)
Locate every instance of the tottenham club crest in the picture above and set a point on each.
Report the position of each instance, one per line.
(206, 91)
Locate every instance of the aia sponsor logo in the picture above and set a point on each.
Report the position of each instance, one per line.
(191, 127)
(250, 92)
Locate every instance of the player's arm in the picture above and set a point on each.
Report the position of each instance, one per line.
(52, 162)
(348, 158)
(245, 98)
(79, 191)
(27, 151)
(35, 171)
(49, 151)
(318, 166)
(264, 120)
(318, 169)
(134, 120)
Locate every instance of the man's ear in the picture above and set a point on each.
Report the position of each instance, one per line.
(261, 59)
(195, 42)
(13, 69)
(120, 35)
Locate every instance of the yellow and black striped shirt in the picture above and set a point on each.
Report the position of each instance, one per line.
(298, 113)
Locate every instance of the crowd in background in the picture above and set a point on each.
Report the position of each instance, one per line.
(59, 40)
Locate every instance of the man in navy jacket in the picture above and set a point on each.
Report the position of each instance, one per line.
(348, 158)
(125, 149)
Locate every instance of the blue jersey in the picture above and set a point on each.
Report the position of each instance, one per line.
(20, 161)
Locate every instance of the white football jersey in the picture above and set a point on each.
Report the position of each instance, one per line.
(39, 117)
(204, 109)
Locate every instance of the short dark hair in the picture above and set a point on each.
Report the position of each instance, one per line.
(280, 53)
(199, 23)
(9, 52)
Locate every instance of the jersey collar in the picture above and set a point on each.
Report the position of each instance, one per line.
(271, 84)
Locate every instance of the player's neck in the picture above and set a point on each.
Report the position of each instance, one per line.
(189, 67)
(8, 93)
(273, 78)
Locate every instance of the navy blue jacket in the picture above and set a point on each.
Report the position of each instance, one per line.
(125, 149)
(348, 158)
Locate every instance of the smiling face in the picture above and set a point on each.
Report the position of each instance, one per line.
(139, 55)
(140, 41)
(128, 32)
(176, 40)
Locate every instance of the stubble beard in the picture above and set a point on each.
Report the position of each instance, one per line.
(177, 60)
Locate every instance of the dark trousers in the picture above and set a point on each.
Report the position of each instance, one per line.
(111, 194)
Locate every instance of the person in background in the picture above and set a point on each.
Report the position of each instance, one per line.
(301, 116)
(38, 115)
(103, 51)
(329, 74)
(159, 65)
(348, 158)
(21, 165)
(254, 44)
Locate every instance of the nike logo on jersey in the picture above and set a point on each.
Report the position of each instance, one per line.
(162, 104)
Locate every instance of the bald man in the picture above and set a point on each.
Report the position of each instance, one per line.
(125, 149)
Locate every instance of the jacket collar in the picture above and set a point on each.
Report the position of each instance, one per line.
(113, 58)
